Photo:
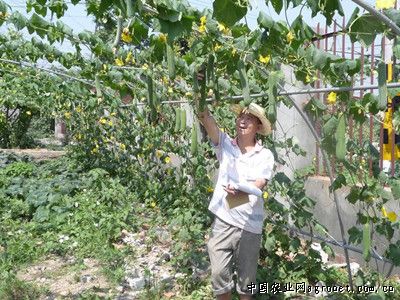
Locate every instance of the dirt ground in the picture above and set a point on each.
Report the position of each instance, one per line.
(66, 278)
(36, 154)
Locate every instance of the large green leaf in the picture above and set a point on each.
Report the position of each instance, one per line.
(339, 181)
(104, 5)
(355, 235)
(276, 4)
(393, 253)
(321, 59)
(302, 30)
(38, 24)
(64, 28)
(270, 243)
(353, 17)
(229, 12)
(172, 11)
(365, 28)
(58, 7)
(19, 20)
(265, 20)
(140, 31)
(325, 7)
(41, 214)
(331, 7)
(174, 29)
(394, 15)
(294, 2)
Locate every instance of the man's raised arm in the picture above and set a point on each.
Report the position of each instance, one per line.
(209, 123)
(207, 120)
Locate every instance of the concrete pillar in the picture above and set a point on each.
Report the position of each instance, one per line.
(291, 124)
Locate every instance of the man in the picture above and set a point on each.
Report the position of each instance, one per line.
(237, 203)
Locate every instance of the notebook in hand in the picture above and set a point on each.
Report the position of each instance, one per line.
(234, 201)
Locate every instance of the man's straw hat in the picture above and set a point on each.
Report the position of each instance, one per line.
(255, 110)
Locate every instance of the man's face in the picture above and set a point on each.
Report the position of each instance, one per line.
(247, 124)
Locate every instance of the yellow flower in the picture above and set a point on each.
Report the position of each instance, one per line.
(153, 204)
(210, 189)
(202, 28)
(113, 114)
(67, 115)
(125, 36)
(28, 113)
(233, 51)
(103, 121)
(78, 136)
(264, 59)
(383, 4)
(95, 149)
(308, 79)
(119, 62)
(122, 147)
(265, 195)
(392, 216)
(203, 20)
(217, 47)
(167, 160)
(170, 90)
(188, 94)
(129, 58)
(110, 123)
(78, 109)
(145, 66)
(222, 28)
(332, 98)
(289, 37)
(163, 38)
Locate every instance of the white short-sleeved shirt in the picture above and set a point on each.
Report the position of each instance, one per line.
(250, 166)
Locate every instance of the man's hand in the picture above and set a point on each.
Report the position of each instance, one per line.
(205, 117)
(233, 192)
(235, 197)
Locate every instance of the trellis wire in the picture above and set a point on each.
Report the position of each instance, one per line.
(300, 92)
(330, 241)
